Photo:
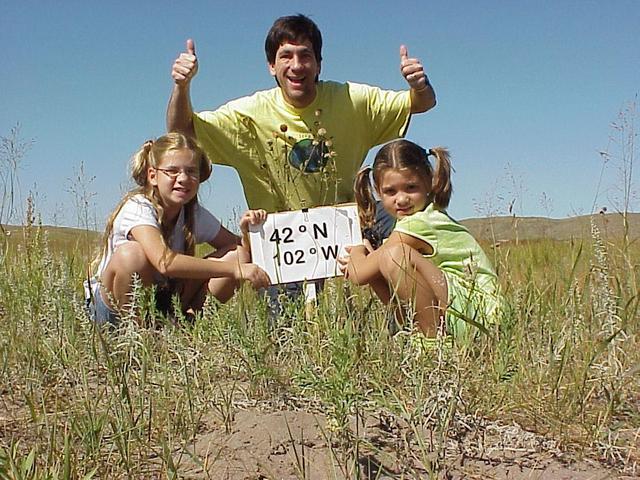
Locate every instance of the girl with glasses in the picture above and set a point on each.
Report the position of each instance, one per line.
(153, 232)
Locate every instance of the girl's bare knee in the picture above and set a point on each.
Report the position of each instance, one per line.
(244, 255)
(130, 258)
(396, 259)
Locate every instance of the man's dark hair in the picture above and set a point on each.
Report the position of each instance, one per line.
(294, 28)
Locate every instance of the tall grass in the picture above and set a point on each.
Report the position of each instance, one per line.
(80, 401)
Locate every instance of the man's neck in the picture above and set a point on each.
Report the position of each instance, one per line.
(300, 105)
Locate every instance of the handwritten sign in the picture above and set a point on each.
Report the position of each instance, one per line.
(304, 244)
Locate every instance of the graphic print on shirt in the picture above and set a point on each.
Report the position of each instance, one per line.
(309, 155)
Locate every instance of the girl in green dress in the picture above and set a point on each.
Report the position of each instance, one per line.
(429, 261)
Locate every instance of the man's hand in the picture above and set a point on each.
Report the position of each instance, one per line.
(412, 70)
(179, 110)
(186, 65)
(422, 95)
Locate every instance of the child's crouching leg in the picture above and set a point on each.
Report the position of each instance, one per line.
(128, 259)
(416, 280)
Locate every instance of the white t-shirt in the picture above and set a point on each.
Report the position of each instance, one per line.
(138, 210)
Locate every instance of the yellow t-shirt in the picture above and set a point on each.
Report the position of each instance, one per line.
(289, 158)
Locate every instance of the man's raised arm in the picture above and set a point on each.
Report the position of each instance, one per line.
(179, 110)
(423, 97)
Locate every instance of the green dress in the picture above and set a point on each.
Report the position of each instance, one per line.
(474, 294)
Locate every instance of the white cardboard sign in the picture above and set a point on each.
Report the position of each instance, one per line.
(304, 244)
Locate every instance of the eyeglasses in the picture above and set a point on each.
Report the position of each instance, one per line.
(173, 173)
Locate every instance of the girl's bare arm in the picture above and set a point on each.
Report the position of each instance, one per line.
(178, 265)
(362, 267)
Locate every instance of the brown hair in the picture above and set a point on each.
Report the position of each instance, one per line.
(150, 155)
(293, 28)
(403, 154)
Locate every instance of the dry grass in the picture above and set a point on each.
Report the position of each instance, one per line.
(559, 377)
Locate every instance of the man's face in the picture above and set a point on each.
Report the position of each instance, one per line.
(296, 70)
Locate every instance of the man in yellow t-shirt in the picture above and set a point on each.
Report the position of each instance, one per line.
(301, 143)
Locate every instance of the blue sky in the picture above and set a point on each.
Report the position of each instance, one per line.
(527, 90)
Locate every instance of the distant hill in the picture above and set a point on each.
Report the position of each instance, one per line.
(490, 229)
(536, 228)
(60, 238)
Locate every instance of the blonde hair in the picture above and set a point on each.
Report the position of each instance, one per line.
(404, 155)
(150, 155)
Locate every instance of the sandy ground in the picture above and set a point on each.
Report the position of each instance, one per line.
(279, 441)
(287, 444)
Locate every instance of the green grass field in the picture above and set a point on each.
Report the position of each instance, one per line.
(81, 402)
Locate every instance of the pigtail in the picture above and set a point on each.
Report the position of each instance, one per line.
(364, 198)
(441, 188)
(140, 163)
(187, 228)
(108, 228)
